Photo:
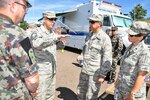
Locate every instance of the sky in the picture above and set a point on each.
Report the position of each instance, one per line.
(40, 6)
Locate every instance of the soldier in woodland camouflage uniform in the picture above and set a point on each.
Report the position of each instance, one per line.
(135, 64)
(18, 69)
(97, 59)
(44, 41)
(117, 46)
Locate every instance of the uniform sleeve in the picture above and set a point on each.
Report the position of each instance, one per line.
(22, 57)
(41, 42)
(106, 57)
(144, 62)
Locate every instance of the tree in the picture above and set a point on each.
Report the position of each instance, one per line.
(24, 25)
(138, 12)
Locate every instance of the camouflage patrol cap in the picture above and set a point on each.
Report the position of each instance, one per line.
(114, 28)
(139, 27)
(96, 17)
(28, 4)
(49, 14)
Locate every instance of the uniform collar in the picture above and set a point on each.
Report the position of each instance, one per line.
(137, 47)
(97, 35)
(6, 18)
(44, 29)
(115, 36)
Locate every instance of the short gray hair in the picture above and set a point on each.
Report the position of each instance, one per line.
(4, 3)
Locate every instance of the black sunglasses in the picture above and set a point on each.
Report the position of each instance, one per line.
(113, 30)
(135, 35)
(92, 22)
(52, 19)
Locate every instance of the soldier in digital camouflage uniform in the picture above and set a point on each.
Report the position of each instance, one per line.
(117, 46)
(135, 64)
(97, 59)
(147, 41)
(18, 69)
(44, 41)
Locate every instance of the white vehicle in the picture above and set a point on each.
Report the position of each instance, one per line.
(77, 23)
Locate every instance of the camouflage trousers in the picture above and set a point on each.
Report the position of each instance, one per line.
(46, 89)
(114, 65)
(88, 87)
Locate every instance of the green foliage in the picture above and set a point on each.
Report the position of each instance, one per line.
(24, 25)
(145, 20)
(138, 12)
(148, 18)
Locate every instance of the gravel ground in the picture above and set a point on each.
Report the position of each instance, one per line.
(67, 76)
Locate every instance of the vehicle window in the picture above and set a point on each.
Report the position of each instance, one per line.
(106, 21)
(128, 22)
(121, 21)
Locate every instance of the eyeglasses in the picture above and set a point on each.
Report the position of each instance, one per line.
(113, 30)
(24, 6)
(52, 19)
(92, 22)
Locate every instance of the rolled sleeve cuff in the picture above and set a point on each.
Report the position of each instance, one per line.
(145, 67)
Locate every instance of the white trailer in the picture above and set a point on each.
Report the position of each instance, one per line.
(77, 23)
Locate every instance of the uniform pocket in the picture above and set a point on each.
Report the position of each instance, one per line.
(94, 51)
